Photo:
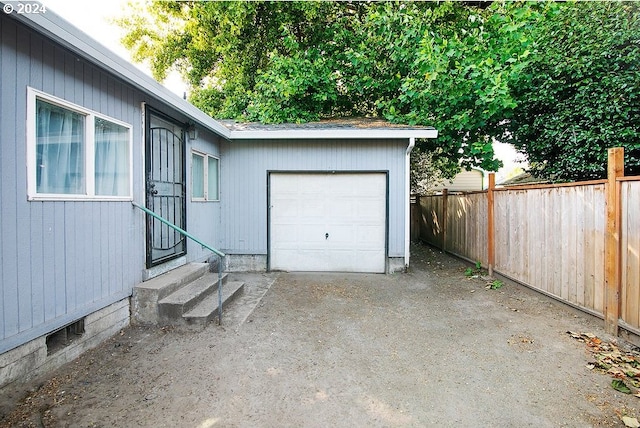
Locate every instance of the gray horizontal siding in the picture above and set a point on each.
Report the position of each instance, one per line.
(59, 260)
(244, 167)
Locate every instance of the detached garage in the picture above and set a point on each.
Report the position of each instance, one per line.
(328, 221)
(326, 196)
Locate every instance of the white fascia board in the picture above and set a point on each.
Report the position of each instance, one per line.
(319, 134)
(71, 38)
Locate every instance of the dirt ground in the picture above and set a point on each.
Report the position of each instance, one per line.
(426, 348)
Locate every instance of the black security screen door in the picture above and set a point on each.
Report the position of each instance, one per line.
(165, 188)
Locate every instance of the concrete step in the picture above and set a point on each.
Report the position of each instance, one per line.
(207, 310)
(187, 297)
(147, 294)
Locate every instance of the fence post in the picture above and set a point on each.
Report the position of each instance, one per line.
(445, 195)
(491, 245)
(615, 169)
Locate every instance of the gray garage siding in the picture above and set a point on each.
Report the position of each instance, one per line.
(244, 179)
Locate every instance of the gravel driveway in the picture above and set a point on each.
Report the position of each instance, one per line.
(426, 348)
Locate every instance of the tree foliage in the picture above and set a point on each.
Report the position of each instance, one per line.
(527, 72)
(580, 92)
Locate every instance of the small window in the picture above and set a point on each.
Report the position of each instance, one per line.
(74, 153)
(205, 174)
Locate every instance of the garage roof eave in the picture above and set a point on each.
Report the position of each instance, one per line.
(326, 134)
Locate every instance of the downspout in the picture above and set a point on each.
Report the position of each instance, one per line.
(407, 210)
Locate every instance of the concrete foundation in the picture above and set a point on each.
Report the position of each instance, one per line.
(395, 265)
(246, 263)
(30, 360)
(258, 263)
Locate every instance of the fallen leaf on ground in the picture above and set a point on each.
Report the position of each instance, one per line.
(620, 386)
(624, 366)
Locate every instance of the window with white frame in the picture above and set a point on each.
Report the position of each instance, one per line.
(205, 177)
(75, 153)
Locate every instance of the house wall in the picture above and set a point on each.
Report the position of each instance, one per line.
(464, 181)
(244, 168)
(203, 218)
(61, 261)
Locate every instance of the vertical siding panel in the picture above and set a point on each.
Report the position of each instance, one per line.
(59, 283)
(35, 69)
(23, 223)
(59, 78)
(73, 91)
(10, 281)
(77, 71)
(36, 263)
(48, 260)
(48, 67)
(72, 257)
(96, 233)
(37, 226)
(112, 224)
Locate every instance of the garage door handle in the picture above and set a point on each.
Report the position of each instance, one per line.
(326, 236)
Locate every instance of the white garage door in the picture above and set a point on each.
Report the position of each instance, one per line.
(328, 222)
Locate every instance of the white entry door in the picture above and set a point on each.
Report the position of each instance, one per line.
(328, 222)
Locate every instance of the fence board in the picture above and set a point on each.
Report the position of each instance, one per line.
(630, 245)
(551, 238)
(431, 218)
(562, 221)
(466, 234)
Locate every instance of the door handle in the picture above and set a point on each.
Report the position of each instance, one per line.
(326, 236)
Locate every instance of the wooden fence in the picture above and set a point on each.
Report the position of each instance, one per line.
(577, 242)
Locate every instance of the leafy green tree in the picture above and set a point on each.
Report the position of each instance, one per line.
(580, 92)
(557, 79)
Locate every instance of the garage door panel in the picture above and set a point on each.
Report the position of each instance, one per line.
(340, 236)
(350, 207)
(369, 210)
(369, 236)
(311, 233)
(341, 208)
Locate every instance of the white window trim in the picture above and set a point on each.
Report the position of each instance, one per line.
(206, 157)
(90, 115)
